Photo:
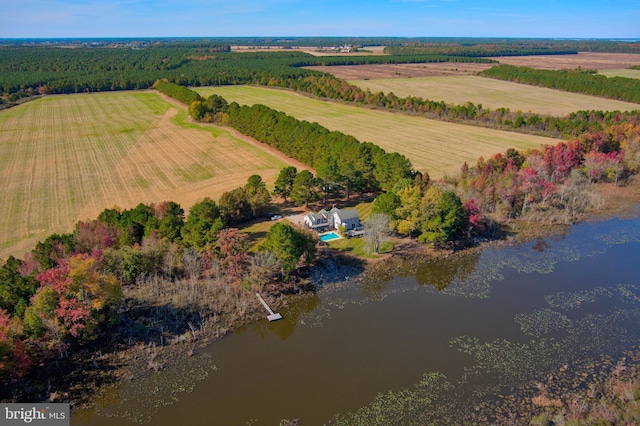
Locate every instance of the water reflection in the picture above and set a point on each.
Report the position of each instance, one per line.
(440, 273)
(291, 319)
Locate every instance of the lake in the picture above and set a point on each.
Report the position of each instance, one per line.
(448, 340)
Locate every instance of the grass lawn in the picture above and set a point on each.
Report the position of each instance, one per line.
(66, 158)
(359, 247)
(257, 232)
(434, 146)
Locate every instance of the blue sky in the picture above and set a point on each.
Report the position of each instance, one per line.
(413, 18)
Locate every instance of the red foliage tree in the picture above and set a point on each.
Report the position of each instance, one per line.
(559, 160)
(233, 247)
(95, 235)
(14, 360)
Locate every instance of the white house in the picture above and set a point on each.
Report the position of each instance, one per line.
(318, 221)
(349, 218)
(332, 219)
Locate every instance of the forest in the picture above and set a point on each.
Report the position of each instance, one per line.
(507, 47)
(45, 70)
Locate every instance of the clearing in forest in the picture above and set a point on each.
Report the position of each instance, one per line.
(493, 94)
(66, 158)
(434, 146)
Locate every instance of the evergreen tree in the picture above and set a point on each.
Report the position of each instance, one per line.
(284, 182)
(305, 188)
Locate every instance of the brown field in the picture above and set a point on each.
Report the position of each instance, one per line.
(586, 60)
(66, 158)
(378, 71)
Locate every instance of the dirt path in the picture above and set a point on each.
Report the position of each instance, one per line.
(263, 146)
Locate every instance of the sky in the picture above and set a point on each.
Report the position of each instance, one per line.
(402, 18)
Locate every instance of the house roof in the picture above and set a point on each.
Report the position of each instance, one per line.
(316, 216)
(345, 214)
(348, 214)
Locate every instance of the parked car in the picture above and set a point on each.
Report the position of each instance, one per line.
(276, 217)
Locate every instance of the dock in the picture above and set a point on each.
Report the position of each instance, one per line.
(271, 316)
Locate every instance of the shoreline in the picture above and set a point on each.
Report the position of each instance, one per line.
(89, 374)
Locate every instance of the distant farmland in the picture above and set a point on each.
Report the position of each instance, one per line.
(66, 158)
(435, 146)
(493, 94)
(621, 73)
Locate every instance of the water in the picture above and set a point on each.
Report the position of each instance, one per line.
(460, 330)
(329, 236)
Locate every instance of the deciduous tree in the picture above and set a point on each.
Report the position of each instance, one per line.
(289, 246)
(377, 230)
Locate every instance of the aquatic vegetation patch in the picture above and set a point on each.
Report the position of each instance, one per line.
(139, 400)
(630, 292)
(421, 405)
(542, 322)
(574, 299)
(506, 376)
(573, 341)
(570, 300)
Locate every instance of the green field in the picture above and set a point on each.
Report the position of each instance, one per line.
(494, 94)
(435, 146)
(621, 73)
(66, 158)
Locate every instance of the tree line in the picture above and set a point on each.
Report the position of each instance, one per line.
(570, 126)
(507, 46)
(477, 51)
(577, 81)
(416, 58)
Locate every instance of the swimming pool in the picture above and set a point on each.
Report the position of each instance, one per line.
(329, 236)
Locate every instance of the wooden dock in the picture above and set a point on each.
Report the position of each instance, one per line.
(271, 316)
